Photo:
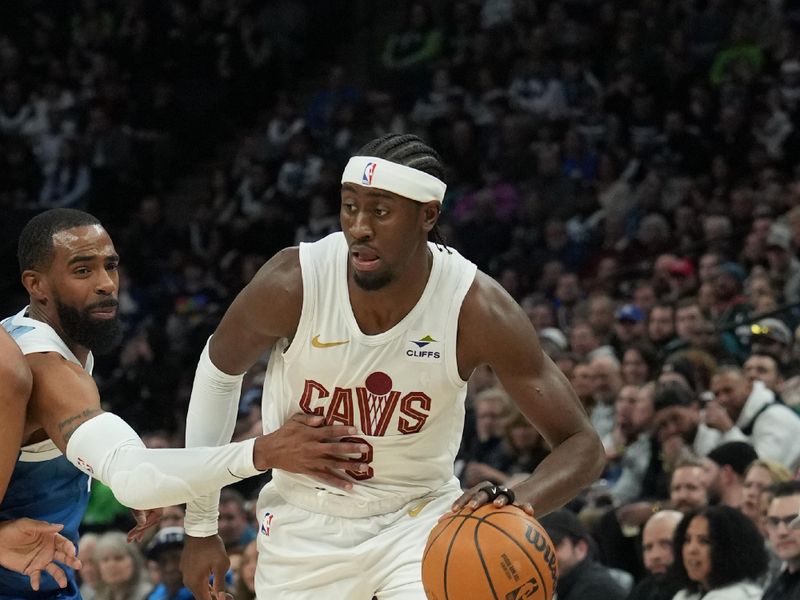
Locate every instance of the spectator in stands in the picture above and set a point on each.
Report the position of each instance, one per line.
(678, 421)
(785, 540)
(580, 576)
(639, 363)
(688, 486)
(658, 556)
(492, 409)
(722, 554)
(725, 467)
(120, 568)
(749, 411)
(759, 477)
(235, 528)
(245, 576)
(166, 548)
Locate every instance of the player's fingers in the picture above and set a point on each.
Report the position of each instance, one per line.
(501, 500)
(347, 465)
(42, 526)
(58, 574)
(306, 419)
(334, 479)
(346, 448)
(527, 507)
(35, 578)
(334, 431)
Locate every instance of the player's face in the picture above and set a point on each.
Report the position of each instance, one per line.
(383, 231)
(84, 282)
(697, 551)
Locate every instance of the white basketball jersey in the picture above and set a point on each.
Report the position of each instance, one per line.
(400, 389)
(37, 336)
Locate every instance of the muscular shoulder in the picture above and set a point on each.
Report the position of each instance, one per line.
(281, 273)
(491, 323)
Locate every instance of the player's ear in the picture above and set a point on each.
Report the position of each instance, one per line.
(430, 215)
(37, 285)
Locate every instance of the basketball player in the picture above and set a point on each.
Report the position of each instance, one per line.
(376, 328)
(69, 268)
(26, 546)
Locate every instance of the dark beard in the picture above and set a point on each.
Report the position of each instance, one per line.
(98, 336)
(372, 281)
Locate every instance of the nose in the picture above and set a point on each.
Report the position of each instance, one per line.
(361, 227)
(106, 283)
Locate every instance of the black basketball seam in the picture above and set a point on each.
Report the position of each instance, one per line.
(447, 557)
(520, 546)
(483, 562)
(438, 535)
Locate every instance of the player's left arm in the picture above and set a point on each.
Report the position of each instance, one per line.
(494, 329)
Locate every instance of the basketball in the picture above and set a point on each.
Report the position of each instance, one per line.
(493, 553)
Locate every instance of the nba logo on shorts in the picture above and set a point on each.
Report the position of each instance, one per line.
(369, 170)
(266, 523)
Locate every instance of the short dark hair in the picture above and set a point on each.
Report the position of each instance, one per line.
(35, 246)
(672, 394)
(737, 548)
(410, 151)
(736, 454)
(785, 488)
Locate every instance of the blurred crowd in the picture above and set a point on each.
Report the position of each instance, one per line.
(628, 171)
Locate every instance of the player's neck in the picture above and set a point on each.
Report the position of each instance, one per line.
(377, 311)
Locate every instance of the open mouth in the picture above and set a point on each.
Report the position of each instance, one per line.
(365, 259)
(106, 312)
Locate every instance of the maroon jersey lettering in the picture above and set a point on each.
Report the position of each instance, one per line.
(308, 395)
(341, 408)
(423, 401)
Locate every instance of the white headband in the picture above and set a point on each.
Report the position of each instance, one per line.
(401, 180)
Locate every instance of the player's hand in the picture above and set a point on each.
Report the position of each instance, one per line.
(200, 559)
(145, 519)
(304, 445)
(30, 547)
(477, 496)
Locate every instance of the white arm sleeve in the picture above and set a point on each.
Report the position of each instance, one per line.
(210, 421)
(108, 449)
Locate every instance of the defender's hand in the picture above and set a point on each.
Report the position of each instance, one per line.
(29, 547)
(145, 519)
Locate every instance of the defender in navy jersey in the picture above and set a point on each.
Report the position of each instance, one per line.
(69, 268)
(377, 329)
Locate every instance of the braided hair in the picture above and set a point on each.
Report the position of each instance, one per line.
(410, 151)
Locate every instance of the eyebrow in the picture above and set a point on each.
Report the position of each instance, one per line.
(90, 258)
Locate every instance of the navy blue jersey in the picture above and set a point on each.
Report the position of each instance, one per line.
(44, 484)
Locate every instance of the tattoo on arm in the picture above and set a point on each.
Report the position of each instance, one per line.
(68, 426)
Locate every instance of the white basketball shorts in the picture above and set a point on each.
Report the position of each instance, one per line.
(304, 555)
